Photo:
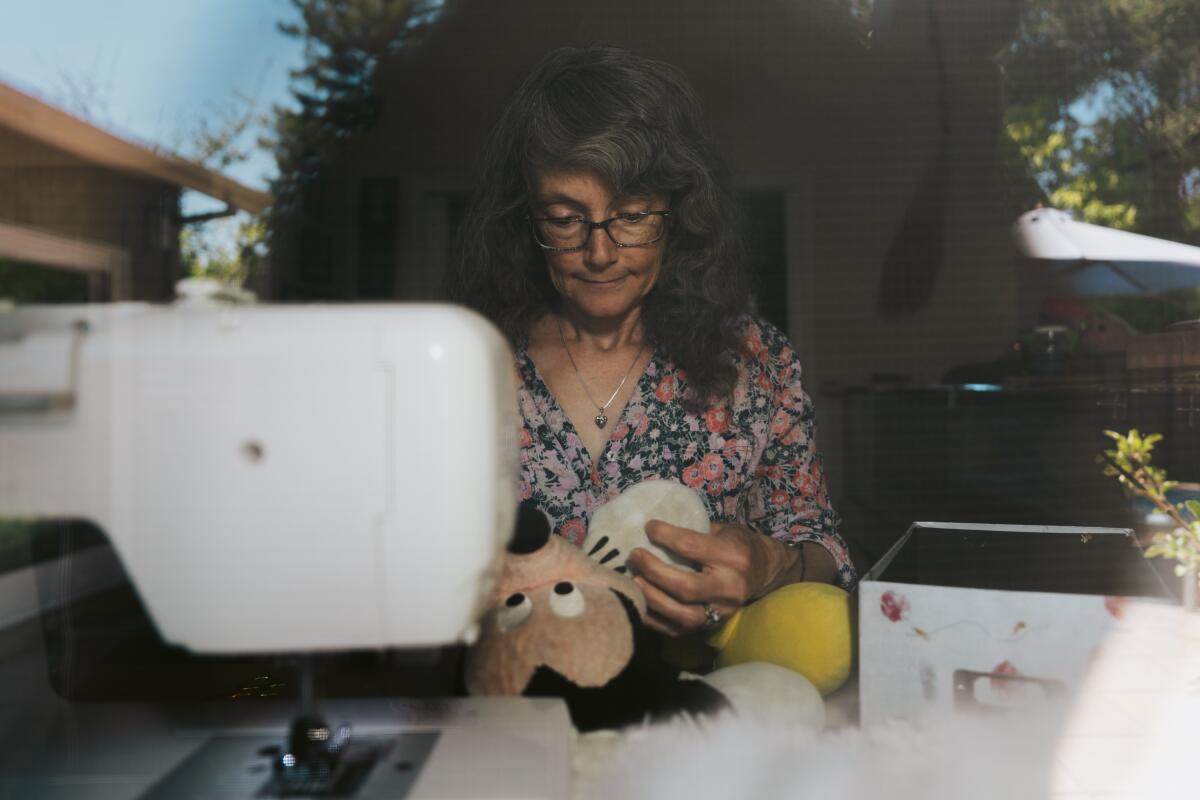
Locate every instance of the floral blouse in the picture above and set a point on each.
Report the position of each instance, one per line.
(753, 461)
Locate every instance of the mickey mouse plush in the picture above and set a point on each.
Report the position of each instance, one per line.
(561, 625)
(565, 625)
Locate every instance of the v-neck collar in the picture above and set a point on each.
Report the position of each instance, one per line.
(547, 404)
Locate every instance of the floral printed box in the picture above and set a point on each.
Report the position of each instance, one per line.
(965, 616)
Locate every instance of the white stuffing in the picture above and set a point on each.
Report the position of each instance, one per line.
(741, 757)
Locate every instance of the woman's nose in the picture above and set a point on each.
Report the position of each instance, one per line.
(600, 252)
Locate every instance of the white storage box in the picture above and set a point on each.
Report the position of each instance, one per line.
(963, 615)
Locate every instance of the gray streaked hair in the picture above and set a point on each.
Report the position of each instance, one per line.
(639, 124)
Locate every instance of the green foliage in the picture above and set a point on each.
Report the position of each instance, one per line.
(204, 255)
(1150, 315)
(1130, 463)
(1105, 110)
(1068, 165)
(228, 250)
(31, 283)
(226, 136)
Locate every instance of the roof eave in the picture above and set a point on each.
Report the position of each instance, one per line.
(37, 120)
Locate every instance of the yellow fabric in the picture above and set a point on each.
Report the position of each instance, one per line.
(803, 626)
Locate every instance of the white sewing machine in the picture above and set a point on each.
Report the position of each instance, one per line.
(276, 480)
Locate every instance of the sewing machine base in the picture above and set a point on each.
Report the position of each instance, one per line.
(412, 749)
(248, 766)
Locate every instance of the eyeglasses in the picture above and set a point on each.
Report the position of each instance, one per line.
(567, 234)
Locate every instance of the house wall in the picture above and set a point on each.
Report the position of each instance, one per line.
(46, 188)
(863, 147)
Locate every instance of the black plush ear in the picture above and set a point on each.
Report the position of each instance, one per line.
(648, 687)
(532, 531)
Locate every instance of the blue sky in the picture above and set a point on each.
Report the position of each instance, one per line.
(155, 67)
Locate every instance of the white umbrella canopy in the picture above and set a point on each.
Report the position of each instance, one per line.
(1104, 261)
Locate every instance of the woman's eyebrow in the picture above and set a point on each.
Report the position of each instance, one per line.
(567, 200)
(650, 199)
(558, 199)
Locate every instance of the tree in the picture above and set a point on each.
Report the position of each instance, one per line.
(230, 249)
(344, 40)
(1105, 110)
(231, 257)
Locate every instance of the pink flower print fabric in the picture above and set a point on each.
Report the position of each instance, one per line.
(752, 460)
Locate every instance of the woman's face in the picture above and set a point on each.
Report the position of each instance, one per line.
(600, 281)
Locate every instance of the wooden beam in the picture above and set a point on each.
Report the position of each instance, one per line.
(44, 123)
(36, 246)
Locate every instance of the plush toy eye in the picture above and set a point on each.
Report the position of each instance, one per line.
(566, 600)
(516, 610)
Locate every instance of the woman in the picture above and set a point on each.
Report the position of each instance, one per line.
(602, 242)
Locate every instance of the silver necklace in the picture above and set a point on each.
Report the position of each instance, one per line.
(601, 419)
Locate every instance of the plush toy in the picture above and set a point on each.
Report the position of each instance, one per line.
(804, 627)
(563, 626)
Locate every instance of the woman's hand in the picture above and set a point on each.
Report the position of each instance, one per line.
(737, 565)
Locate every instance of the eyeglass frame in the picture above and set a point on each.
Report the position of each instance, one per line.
(603, 225)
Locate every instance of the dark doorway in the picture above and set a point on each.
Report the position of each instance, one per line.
(377, 239)
(766, 242)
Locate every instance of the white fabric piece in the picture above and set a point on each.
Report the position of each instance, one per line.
(771, 694)
(621, 522)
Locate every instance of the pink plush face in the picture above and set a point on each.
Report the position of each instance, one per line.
(553, 608)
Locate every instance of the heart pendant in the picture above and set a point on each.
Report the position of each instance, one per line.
(600, 420)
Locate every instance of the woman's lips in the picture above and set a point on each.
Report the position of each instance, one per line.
(600, 284)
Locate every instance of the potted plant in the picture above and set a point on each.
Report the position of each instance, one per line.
(1130, 464)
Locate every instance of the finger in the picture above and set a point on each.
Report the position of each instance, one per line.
(685, 616)
(684, 542)
(684, 585)
(639, 558)
(727, 552)
(657, 623)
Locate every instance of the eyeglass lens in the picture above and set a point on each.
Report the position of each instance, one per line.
(629, 230)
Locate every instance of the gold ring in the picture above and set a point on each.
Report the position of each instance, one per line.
(711, 616)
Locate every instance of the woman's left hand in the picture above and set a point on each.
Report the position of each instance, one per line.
(736, 565)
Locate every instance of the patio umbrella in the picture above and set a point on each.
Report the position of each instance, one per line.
(1105, 261)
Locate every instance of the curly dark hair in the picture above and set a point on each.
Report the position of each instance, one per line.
(638, 123)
